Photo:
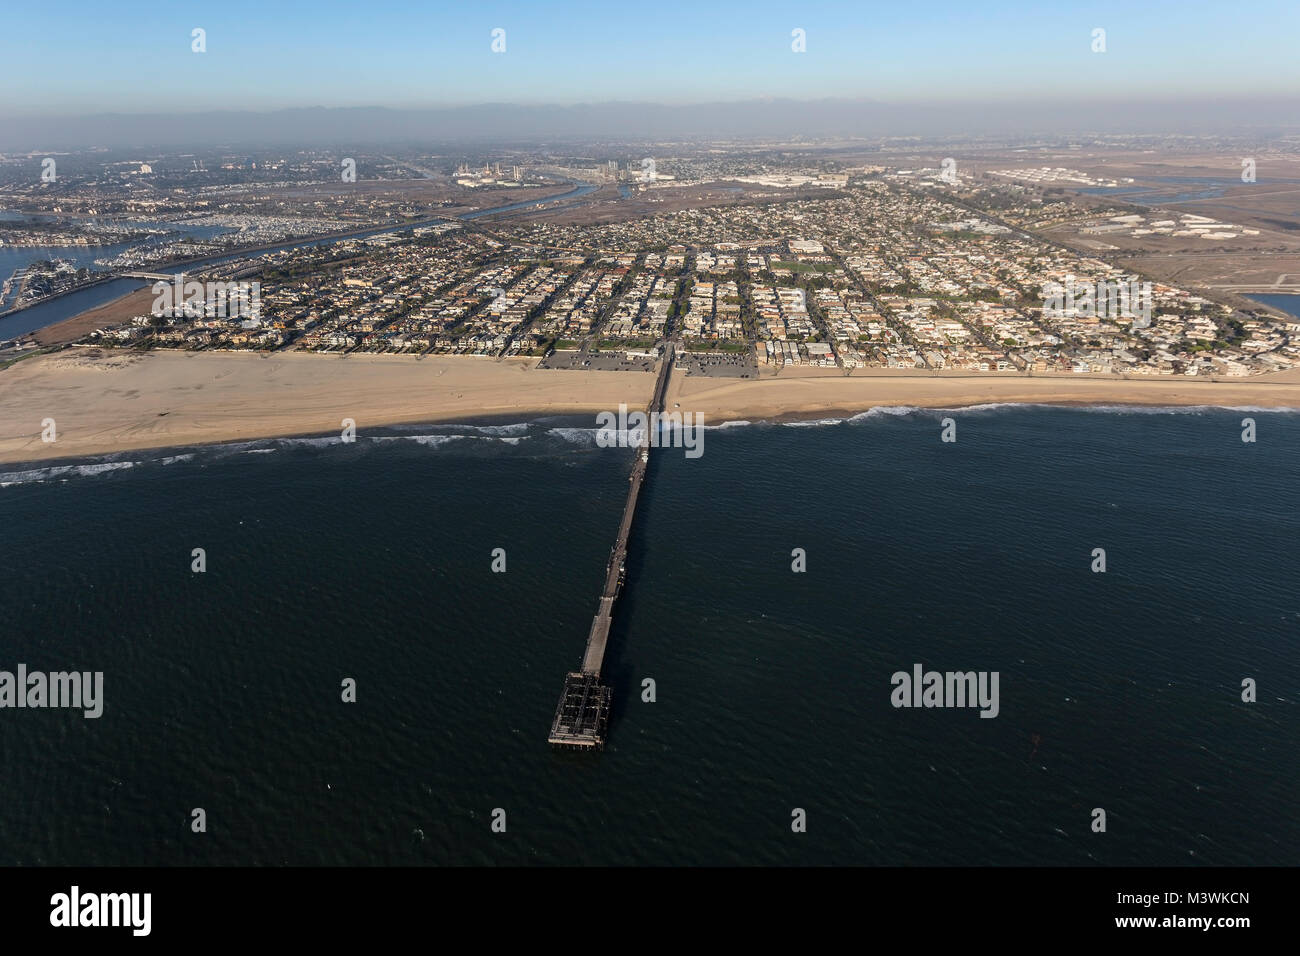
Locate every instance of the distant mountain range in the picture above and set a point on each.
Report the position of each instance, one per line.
(776, 119)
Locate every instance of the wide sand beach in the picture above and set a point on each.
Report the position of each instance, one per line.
(105, 401)
(796, 393)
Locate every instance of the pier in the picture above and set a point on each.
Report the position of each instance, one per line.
(148, 276)
(582, 715)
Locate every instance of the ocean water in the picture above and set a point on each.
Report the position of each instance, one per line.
(1288, 303)
(1119, 690)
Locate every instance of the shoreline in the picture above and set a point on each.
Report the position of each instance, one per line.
(397, 430)
(106, 403)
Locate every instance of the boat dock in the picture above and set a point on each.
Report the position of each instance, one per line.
(582, 715)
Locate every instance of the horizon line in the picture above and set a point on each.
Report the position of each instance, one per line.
(923, 102)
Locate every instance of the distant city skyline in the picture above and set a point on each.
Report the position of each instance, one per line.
(396, 55)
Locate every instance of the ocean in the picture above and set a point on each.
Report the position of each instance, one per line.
(373, 561)
(1287, 302)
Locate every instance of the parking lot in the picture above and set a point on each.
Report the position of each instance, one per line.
(719, 364)
(603, 361)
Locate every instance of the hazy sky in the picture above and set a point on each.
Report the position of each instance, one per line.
(90, 56)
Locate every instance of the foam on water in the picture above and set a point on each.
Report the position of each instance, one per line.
(885, 411)
(577, 436)
(86, 470)
(435, 441)
(514, 433)
(310, 442)
(518, 428)
(100, 577)
(813, 423)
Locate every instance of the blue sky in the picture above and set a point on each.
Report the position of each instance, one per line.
(77, 57)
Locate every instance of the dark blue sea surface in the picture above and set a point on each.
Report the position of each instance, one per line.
(1118, 690)
(1288, 303)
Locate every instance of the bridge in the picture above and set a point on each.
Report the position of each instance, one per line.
(582, 715)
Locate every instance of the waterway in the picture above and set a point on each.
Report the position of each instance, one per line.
(74, 303)
(1210, 187)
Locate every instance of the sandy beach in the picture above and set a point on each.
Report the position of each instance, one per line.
(105, 402)
(829, 392)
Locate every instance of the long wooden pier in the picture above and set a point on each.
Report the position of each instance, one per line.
(582, 715)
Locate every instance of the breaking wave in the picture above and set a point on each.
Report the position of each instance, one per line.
(515, 434)
(88, 470)
(576, 436)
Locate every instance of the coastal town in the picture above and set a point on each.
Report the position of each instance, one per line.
(682, 435)
(885, 271)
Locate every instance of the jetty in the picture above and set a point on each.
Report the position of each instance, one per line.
(582, 715)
